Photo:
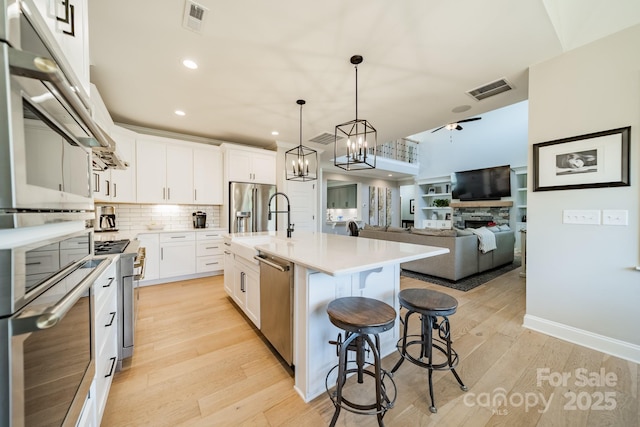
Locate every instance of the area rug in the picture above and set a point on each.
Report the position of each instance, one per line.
(467, 283)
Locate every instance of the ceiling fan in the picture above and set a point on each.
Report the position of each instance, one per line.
(456, 125)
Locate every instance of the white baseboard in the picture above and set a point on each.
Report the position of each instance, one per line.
(608, 345)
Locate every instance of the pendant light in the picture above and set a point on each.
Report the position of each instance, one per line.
(301, 162)
(359, 152)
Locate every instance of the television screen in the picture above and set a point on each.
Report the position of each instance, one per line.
(482, 184)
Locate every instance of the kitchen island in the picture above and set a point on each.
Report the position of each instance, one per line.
(326, 267)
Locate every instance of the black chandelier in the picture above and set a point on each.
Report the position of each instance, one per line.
(359, 152)
(301, 162)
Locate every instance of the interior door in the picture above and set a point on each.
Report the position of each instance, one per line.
(303, 197)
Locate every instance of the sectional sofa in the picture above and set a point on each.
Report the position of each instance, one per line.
(464, 258)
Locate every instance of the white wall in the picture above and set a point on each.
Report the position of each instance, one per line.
(499, 138)
(581, 282)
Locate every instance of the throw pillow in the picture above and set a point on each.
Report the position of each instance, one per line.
(493, 228)
(504, 227)
(461, 232)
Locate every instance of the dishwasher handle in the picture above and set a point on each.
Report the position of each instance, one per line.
(271, 263)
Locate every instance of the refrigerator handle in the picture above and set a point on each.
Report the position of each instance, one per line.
(254, 220)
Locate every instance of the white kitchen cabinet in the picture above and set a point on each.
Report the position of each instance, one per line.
(207, 176)
(246, 288)
(177, 254)
(118, 185)
(209, 252)
(228, 268)
(106, 334)
(163, 172)
(151, 243)
(70, 29)
(250, 165)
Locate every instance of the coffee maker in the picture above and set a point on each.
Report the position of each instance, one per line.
(199, 219)
(105, 219)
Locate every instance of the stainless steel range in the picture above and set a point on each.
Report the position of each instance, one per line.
(127, 292)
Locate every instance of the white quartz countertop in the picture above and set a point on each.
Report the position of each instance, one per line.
(334, 254)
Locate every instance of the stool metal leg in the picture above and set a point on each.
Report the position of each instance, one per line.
(342, 375)
(403, 350)
(427, 323)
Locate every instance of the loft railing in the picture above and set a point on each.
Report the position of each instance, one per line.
(403, 149)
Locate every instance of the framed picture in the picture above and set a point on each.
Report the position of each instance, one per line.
(432, 190)
(412, 206)
(447, 216)
(594, 160)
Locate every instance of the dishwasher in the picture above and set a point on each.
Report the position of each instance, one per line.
(276, 303)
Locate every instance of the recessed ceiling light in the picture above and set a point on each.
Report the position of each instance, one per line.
(180, 113)
(390, 175)
(190, 64)
(461, 108)
(275, 133)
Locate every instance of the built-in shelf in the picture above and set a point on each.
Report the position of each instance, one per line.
(432, 208)
(482, 204)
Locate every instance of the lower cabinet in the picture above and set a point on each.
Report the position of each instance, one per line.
(106, 337)
(246, 288)
(209, 252)
(177, 254)
(242, 284)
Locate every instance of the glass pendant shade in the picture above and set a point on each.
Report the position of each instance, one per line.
(355, 141)
(301, 162)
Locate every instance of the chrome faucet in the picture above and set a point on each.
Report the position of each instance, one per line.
(288, 212)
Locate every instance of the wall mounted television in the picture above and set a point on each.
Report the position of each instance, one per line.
(482, 184)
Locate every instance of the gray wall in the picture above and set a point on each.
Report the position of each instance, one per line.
(581, 282)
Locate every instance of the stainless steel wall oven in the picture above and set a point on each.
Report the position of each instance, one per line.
(46, 329)
(47, 134)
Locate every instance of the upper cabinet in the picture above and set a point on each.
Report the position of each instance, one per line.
(68, 21)
(178, 172)
(342, 197)
(250, 165)
(207, 176)
(163, 171)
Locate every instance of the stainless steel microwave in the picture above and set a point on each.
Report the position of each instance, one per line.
(47, 135)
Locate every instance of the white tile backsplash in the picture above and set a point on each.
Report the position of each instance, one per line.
(135, 218)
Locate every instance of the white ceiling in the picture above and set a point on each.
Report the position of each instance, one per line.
(257, 57)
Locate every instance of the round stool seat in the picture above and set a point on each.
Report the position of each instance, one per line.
(428, 301)
(361, 315)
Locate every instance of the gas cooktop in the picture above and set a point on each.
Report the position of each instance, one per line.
(107, 247)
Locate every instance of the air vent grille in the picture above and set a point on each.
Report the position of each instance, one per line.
(490, 89)
(194, 16)
(325, 138)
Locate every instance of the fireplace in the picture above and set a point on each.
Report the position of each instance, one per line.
(479, 214)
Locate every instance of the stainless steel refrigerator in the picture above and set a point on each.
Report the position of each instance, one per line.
(248, 207)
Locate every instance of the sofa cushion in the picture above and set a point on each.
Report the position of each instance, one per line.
(397, 229)
(375, 227)
(433, 232)
(504, 227)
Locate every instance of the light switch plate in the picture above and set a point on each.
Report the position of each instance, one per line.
(590, 217)
(615, 217)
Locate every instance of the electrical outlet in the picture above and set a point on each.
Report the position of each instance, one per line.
(615, 217)
(590, 217)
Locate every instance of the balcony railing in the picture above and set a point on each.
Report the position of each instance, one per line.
(403, 149)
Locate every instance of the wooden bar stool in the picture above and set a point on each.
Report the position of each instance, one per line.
(361, 318)
(430, 305)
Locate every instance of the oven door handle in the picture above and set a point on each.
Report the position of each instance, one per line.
(31, 322)
(26, 64)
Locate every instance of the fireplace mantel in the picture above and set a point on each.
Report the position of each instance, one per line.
(482, 204)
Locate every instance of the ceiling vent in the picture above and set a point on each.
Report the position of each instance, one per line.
(490, 89)
(325, 138)
(194, 16)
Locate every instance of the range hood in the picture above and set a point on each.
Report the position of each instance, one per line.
(105, 155)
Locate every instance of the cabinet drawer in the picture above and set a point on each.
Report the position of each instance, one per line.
(177, 237)
(209, 247)
(106, 325)
(105, 369)
(209, 263)
(207, 235)
(105, 288)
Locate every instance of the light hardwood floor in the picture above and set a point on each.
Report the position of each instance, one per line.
(197, 362)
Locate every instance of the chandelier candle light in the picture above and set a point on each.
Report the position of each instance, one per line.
(359, 134)
(303, 160)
